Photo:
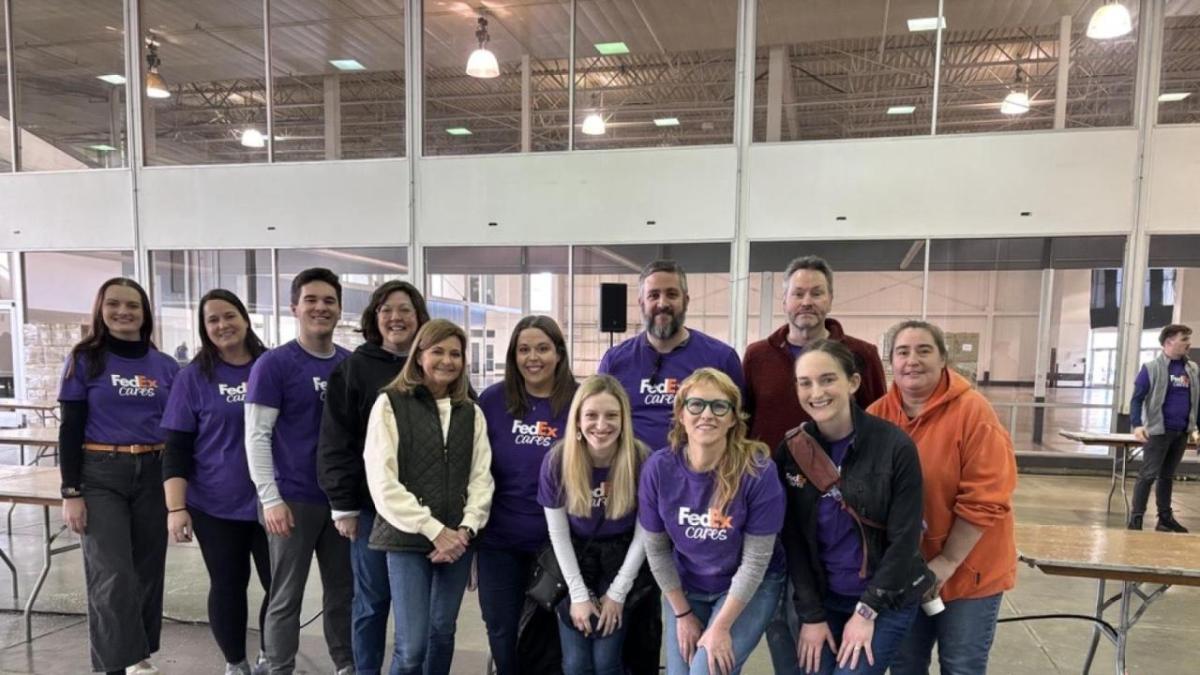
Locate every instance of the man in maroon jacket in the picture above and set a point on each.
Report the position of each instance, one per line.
(770, 381)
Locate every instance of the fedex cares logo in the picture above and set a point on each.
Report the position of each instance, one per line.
(232, 394)
(661, 393)
(539, 433)
(319, 386)
(708, 525)
(600, 495)
(138, 385)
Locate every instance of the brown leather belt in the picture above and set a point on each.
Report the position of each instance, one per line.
(125, 449)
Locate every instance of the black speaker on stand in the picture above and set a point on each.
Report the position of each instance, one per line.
(612, 310)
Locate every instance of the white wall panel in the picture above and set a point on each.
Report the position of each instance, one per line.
(581, 197)
(1071, 183)
(1174, 180)
(313, 204)
(66, 210)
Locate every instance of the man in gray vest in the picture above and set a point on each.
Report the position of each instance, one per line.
(1163, 414)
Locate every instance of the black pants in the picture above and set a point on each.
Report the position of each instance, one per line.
(228, 547)
(1160, 459)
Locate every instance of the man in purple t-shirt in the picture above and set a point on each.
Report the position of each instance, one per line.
(284, 401)
(1163, 414)
(651, 364)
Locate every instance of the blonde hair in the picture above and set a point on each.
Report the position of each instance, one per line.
(573, 460)
(742, 456)
(412, 375)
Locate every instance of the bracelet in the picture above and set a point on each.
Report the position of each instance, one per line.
(680, 616)
(176, 510)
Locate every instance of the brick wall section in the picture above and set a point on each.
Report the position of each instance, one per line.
(46, 348)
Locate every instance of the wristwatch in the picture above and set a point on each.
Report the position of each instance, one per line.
(470, 531)
(71, 492)
(865, 611)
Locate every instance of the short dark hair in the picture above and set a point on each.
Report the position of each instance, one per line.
(369, 324)
(1171, 331)
(845, 358)
(315, 274)
(663, 265)
(939, 338)
(809, 262)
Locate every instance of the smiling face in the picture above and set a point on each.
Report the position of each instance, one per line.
(537, 359)
(122, 312)
(917, 364)
(224, 325)
(706, 427)
(664, 304)
(441, 364)
(824, 390)
(396, 319)
(600, 423)
(318, 310)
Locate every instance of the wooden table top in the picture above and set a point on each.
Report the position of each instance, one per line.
(1111, 553)
(22, 404)
(1093, 438)
(30, 436)
(30, 485)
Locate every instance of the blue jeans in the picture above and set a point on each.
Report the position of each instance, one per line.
(425, 600)
(963, 633)
(890, 628)
(590, 656)
(503, 578)
(745, 634)
(372, 599)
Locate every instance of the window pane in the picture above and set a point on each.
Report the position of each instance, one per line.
(69, 118)
(654, 73)
(211, 63)
(1180, 255)
(467, 115)
(850, 69)
(1179, 95)
(339, 79)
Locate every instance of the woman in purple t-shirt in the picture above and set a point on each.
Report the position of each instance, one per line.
(113, 392)
(588, 489)
(715, 496)
(205, 477)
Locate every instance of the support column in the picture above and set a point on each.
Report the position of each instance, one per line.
(743, 131)
(1064, 69)
(113, 158)
(766, 303)
(14, 135)
(333, 116)
(526, 105)
(776, 74)
(149, 122)
(1042, 359)
(414, 132)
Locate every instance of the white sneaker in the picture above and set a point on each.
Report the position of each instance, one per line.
(348, 670)
(142, 668)
(241, 668)
(261, 666)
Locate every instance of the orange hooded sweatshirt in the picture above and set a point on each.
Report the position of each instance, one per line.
(970, 472)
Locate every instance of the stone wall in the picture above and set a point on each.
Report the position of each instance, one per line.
(46, 349)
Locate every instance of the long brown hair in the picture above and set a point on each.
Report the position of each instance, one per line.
(516, 400)
(91, 347)
(742, 456)
(412, 375)
(575, 462)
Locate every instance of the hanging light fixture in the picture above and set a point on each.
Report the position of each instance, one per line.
(593, 125)
(1109, 21)
(483, 62)
(1017, 101)
(253, 138)
(156, 86)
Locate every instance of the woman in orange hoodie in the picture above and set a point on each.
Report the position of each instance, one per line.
(969, 472)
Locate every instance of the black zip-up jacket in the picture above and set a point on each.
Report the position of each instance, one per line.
(349, 396)
(881, 480)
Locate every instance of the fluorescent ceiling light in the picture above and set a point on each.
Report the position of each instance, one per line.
(1171, 97)
(112, 79)
(458, 131)
(347, 64)
(612, 48)
(1109, 21)
(902, 110)
(927, 23)
(666, 121)
(102, 147)
(593, 125)
(253, 138)
(1016, 103)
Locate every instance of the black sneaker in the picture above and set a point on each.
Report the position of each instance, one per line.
(1135, 522)
(1169, 524)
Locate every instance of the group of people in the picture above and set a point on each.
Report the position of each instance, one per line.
(683, 496)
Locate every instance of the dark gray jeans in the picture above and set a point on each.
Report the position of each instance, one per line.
(291, 559)
(1160, 459)
(124, 555)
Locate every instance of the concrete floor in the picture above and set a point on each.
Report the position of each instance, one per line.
(1167, 641)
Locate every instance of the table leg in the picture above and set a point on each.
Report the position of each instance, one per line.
(1087, 662)
(1125, 457)
(11, 508)
(1123, 626)
(47, 541)
(13, 569)
(1112, 485)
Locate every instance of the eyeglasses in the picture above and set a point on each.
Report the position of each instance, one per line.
(719, 406)
(387, 310)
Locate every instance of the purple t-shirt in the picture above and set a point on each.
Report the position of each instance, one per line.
(795, 351)
(214, 410)
(126, 402)
(708, 544)
(651, 378)
(293, 381)
(1177, 403)
(551, 496)
(838, 541)
(518, 446)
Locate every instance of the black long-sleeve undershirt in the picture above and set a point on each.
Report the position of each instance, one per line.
(179, 459)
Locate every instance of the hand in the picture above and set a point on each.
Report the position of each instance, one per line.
(813, 637)
(179, 525)
(347, 527)
(687, 633)
(581, 616)
(856, 639)
(448, 546)
(279, 520)
(610, 615)
(943, 569)
(1140, 434)
(74, 513)
(718, 646)
(1196, 438)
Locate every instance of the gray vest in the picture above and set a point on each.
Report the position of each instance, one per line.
(1159, 371)
(434, 470)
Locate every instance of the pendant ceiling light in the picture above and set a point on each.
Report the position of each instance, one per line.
(593, 125)
(156, 86)
(253, 138)
(1109, 21)
(1017, 101)
(483, 62)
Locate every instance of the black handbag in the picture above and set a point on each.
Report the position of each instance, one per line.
(548, 587)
